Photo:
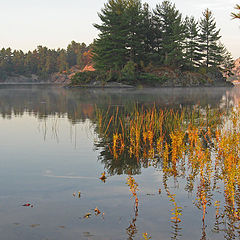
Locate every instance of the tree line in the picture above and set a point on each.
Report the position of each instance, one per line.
(132, 37)
(42, 61)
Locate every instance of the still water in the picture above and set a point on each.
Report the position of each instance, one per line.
(51, 149)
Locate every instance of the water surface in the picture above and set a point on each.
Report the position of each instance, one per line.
(50, 149)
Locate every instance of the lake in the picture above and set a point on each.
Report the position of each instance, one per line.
(162, 151)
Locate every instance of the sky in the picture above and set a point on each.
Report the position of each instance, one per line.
(25, 24)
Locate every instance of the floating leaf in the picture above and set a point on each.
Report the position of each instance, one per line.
(87, 215)
(27, 205)
(97, 211)
(103, 177)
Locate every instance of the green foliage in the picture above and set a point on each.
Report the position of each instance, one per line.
(128, 72)
(192, 45)
(227, 62)
(132, 37)
(151, 79)
(203, 70)
(171, 34)
(123, 35)
(82, 78)
(209, 36)
(42, 61)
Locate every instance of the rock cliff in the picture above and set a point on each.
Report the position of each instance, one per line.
(236, 72)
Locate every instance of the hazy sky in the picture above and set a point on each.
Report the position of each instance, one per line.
(25, 24)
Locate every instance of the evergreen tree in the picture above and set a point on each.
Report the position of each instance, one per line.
(209, 37)
(109, 50)
(192, 46)
(6, 60)
(168, 22)
(135, 18)
(123, 35)
(62, 61)
(227, 63)
(148, 35)
(31, 62)
(18, 62)
(236, 15)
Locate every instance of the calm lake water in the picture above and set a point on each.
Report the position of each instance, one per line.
(50, 149)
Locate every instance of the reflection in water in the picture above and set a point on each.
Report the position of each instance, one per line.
(199, 144)
(133, 187)
(191, 137)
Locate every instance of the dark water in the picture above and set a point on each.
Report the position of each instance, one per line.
(48, 152)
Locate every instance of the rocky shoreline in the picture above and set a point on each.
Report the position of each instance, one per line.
(174, 79)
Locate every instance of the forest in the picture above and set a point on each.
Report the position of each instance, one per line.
(42, 61)
(136, 44)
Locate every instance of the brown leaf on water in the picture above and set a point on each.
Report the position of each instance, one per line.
(87, 215)
(26, 205)
(97, 211)
(103, 177)
(34, 225)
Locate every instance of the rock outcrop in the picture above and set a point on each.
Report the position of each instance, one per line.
(236, 72)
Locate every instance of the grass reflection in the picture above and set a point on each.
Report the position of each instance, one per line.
(201, 145)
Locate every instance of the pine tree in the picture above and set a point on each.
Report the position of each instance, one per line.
(109, 50)
(236, 15)
(192, 46)
(18, 62)
(136, 23)
(62, 60)
(227, 63)
(148, 35)
(209, 38)
(123, 36)
(171, 34)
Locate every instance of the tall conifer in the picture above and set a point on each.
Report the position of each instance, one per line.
(169, 24)
(192, 47)
(110, 50)
(209, 39)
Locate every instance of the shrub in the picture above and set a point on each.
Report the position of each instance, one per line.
(128, 72)
(85, 77)
(149, 78)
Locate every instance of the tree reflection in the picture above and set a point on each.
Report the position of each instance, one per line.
(200, 144)
(194, 142)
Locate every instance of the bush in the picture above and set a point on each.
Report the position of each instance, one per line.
(202, 70)
(128, 72)
(151, 79)
(85, 77)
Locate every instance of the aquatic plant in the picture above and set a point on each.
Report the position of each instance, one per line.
(202, 145)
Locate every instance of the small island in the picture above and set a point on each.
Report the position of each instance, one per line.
(136, 47)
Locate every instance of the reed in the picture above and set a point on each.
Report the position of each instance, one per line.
(202, 145)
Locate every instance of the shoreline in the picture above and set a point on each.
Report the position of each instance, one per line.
(117, 87)
(29, 83)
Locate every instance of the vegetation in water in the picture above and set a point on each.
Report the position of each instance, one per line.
(201, 145)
